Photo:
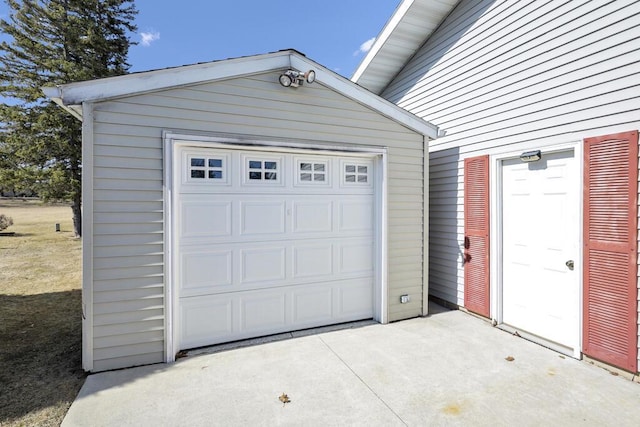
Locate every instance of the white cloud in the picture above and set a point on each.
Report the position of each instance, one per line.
(146, 38)
(365, 47)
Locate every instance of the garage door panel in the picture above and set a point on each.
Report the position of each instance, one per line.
(206, 271)
(205, 318)
(355, 300)
(263, 311)
(312, 260)
(263, 264)
(231, 173)
(205, 218)
(211, 269)
(313, 304)
(356, 216)
(262, 217)
(312, 217)
(356, 257)
(213, 319)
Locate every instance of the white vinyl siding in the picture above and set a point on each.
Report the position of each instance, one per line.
(128, 234)
(501, 76)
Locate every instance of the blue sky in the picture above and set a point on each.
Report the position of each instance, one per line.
(332, 32)
(335, 33)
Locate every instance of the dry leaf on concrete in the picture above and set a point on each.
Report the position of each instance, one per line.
(284, 398)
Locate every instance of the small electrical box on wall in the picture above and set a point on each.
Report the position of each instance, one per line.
(404, 299)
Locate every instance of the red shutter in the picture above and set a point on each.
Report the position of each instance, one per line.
(476, 235)
(610, 249)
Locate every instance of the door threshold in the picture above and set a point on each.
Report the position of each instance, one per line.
(536, 339)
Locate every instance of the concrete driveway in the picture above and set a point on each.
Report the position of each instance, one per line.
(446, 369)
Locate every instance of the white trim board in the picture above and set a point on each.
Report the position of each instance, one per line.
(425, 231)
(87, 238)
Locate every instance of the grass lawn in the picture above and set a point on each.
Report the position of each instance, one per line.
(40, 315)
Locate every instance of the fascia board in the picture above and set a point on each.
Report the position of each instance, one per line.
(398, 41)
(131, 84)
(382, 38)
(54, 93)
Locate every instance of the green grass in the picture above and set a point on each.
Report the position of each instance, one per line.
(40, 315)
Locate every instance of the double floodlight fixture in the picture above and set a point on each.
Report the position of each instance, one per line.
(292, 78)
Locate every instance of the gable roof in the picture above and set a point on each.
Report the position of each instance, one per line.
(409, 27)
(71, 96)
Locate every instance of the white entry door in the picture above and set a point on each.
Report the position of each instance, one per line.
(269, 242)
(540, 246)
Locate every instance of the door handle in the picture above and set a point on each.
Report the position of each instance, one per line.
(569, 264)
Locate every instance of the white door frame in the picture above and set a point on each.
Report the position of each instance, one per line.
(176, 140)
(495, 180)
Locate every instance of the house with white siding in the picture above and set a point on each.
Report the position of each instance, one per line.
(533, 202)
(241, 198)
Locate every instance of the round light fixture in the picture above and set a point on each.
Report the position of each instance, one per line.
(285, 80)
(310, 76)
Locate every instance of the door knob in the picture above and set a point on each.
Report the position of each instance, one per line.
(569, 264)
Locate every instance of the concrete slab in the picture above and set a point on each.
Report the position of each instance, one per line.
(447, 369)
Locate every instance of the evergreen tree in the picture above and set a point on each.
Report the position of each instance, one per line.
(51, 42)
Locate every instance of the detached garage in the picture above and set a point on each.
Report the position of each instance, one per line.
(241, 198)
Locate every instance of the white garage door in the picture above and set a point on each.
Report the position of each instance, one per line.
(269, 242)
(541, 223)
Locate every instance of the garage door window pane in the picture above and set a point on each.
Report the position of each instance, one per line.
(356, 174)
(198, 171)
(263, 170)
(312, 172)
(215, 168)
(207, 168)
